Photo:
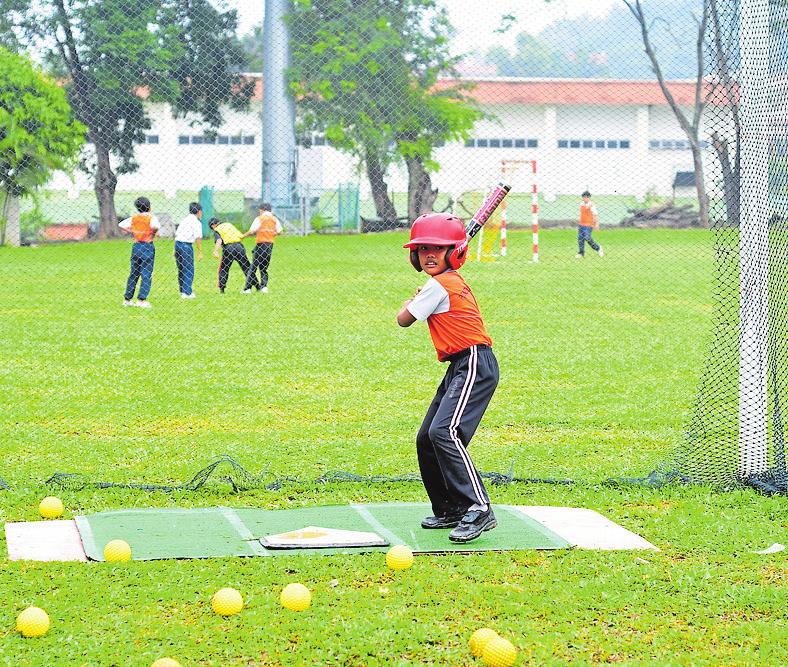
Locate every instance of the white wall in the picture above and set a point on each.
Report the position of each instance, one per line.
(170, 166)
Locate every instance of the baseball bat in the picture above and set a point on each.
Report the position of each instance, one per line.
(487, 209)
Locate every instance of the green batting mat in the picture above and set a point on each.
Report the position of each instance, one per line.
(222, 531)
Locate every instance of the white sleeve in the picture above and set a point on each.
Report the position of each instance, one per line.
(125, 224)
(279, 227)
(593, 209)
(255, 226)
(196, 228)
(154, 222)
(433, 298)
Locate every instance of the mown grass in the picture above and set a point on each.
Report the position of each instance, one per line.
(600, 361)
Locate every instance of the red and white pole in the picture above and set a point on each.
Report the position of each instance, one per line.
(534, 213)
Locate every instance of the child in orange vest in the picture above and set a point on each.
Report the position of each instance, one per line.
(143, 227)
(454, 486)
(589, 221)
(265, 227)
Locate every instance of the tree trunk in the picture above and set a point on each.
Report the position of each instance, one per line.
(421, 196)
(730, 179)
(700, 187)
(384, 207)
(105, 194)
(13, 236)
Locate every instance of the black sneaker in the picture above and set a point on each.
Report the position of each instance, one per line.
(473, 524)
(448, 521)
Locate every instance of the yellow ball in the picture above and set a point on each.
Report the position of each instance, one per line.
(227, 601)
(117, 551)
(499, 652)
(295, 597)
(166, 662)
(399, 557)
(51, 507)
(32, 622)
(479, 640)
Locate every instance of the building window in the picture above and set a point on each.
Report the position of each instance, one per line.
(197, 139)
(587, 143)
(152, 139)
(533, 143)
(519, 143)
(624, 143)
(481, 143)
(599, 143)
(470, 143)
(563, 143)
(507, 143)
(248, 141)
(612, 143)
(235, 140)
(224, 139)
(495, 143)
(574, 143)
(183, 139)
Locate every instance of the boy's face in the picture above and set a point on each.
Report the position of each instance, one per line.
(586, 198)
(433, 258)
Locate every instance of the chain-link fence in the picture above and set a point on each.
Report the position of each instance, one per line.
(211, 216)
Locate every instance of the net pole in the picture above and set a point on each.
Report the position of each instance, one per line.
(279, 152)
(534, 213)
(753, 237)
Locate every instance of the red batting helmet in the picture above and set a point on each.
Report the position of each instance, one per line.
(438, 229)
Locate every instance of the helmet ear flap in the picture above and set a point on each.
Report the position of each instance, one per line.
(414, 260)
(456, 258)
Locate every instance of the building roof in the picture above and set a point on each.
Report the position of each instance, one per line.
(561, 92)
(570, 92)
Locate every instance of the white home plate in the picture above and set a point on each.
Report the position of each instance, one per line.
(314, 537)
(44, 540)
(586, 529)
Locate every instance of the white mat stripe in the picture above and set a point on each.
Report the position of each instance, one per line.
(380, 529)
(246, 534)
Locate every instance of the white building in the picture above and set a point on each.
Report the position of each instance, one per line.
(610, 136)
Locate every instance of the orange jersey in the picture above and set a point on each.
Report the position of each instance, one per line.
(265, 227)
(587, 214)
(454, 319)
(141, 228)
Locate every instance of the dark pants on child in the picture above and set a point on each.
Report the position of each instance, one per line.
(142, 256)
(583, 235)
(452, 482)
(234, 252)
(261, 258)
(184, 260)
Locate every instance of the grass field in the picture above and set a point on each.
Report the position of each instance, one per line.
(600, 361)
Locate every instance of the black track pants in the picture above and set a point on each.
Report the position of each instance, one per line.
(233, 252)
(452, 482)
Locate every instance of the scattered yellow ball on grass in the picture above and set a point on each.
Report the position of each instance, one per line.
(479, 640)
(32, 622)
(166, 662)
(117, 551)
(295, 597)
(399, 557)
(499, 652)
(51, 507)
(227, 601)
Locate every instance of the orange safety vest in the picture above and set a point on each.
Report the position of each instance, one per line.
(141, 229)
(461, 326)
(266, 232)
(586, 214)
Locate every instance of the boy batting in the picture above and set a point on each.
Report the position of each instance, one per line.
(438, 246)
